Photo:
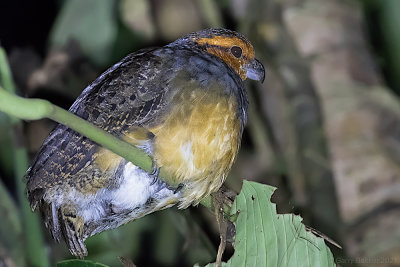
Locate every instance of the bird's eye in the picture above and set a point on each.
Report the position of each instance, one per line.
(236, 51)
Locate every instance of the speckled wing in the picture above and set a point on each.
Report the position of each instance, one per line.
(130, 94)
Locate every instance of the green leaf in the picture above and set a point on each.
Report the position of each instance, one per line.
(265, 238)
(79, 263)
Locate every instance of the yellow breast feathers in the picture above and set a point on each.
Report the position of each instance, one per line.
(198, 142)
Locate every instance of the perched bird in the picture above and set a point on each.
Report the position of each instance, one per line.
(184, 104)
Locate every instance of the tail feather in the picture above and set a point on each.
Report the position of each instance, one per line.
(48, 211)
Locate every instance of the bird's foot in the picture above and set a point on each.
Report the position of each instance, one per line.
(154, 173)
(73, 228)
(176, 189)
(220, 199)
(222, 225)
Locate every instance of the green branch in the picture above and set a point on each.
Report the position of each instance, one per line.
(35, 109)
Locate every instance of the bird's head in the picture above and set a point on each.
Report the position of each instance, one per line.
(233, 48)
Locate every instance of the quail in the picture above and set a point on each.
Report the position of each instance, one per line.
(183, 103)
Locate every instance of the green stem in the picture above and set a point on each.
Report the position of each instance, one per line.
(36, 250)
(5, 73)
(35, 109)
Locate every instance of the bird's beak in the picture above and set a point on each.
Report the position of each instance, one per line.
(255, 70)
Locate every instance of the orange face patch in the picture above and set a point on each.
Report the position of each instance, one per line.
(220, 46)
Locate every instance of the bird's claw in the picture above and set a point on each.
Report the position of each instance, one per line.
(179, 187)
(176, 189)
(154, 173)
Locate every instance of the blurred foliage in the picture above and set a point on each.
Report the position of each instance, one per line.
(92, 23)
(6, 162)
(79, 263)
(383, 20)
(391, 35)
(32, 237)
(88, 36)
(10, 228)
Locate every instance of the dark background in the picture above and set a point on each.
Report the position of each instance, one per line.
(323, 128)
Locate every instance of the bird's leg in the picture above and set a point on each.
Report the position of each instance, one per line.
(221, 200)
(217, 199)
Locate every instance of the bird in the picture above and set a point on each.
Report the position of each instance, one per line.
(183, 103)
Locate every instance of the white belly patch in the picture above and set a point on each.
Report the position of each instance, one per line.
(132, 198)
